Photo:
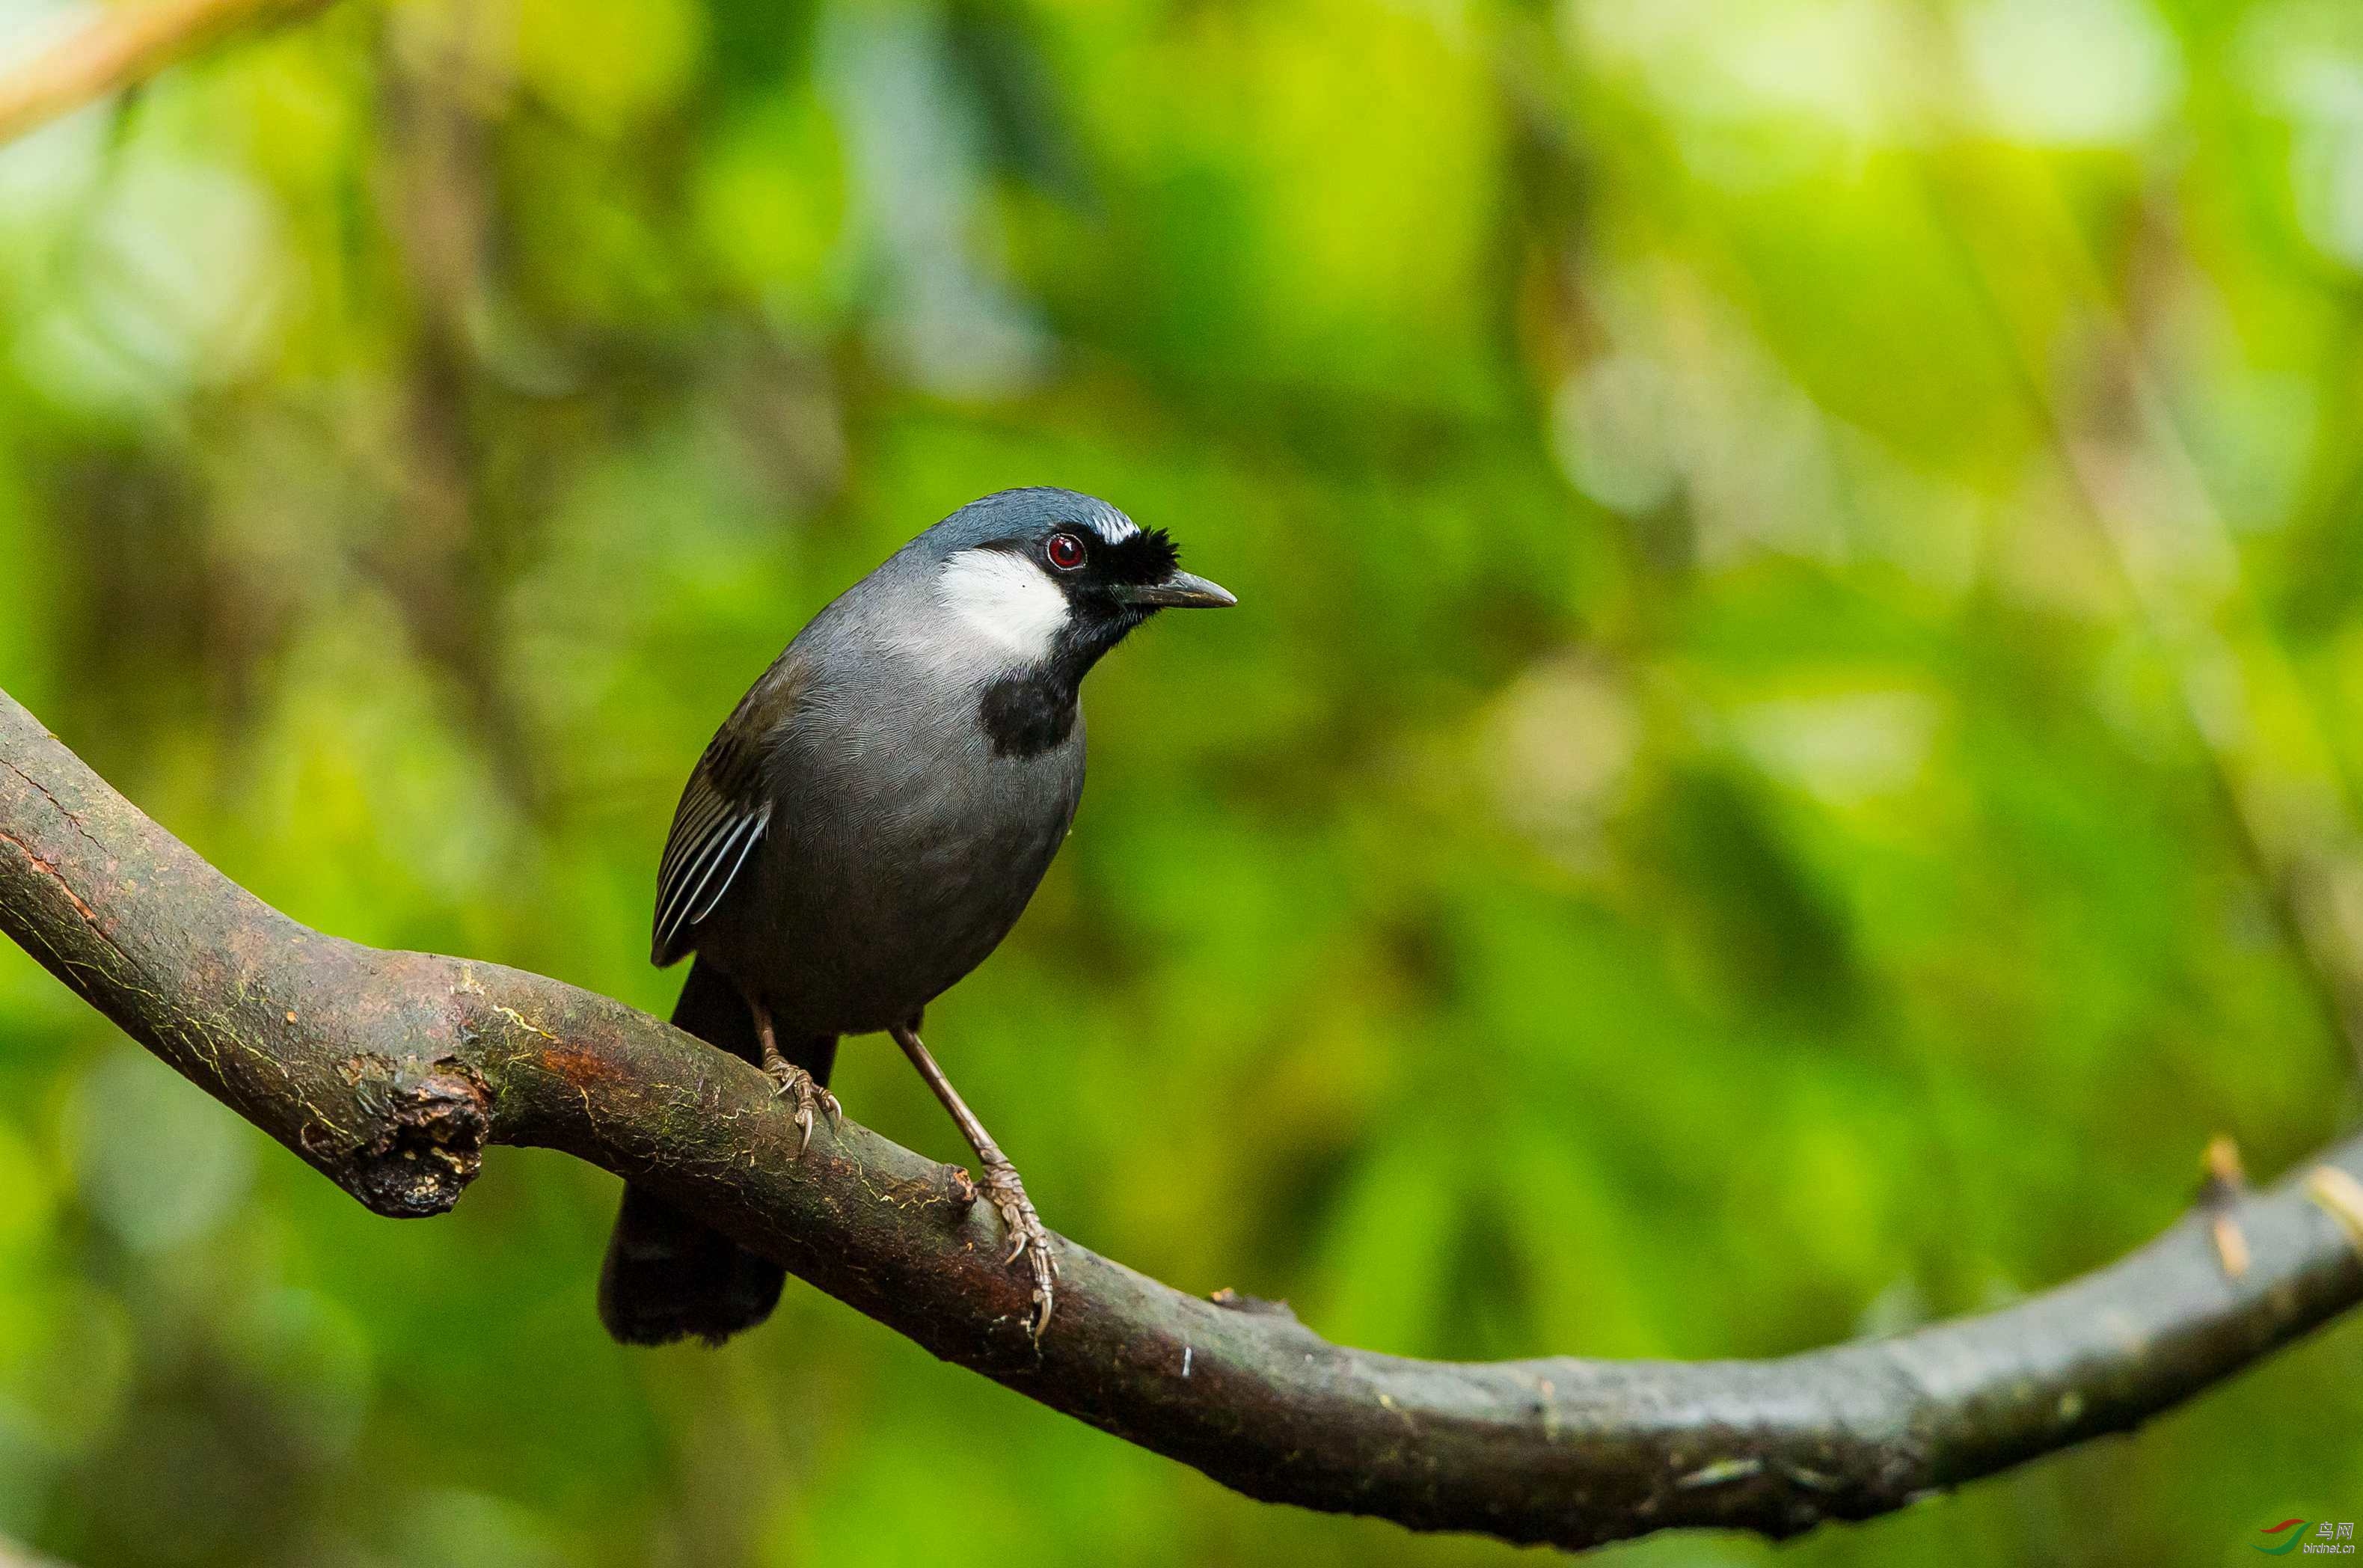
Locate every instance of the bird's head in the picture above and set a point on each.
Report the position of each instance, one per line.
(1054, 579)
(1032, 588)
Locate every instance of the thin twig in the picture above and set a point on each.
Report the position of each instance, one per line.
(123, 47)
(15, 1556)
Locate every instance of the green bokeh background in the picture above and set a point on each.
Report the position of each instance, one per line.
(1786, 760)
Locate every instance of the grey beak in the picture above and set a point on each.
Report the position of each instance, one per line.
(1182, 591)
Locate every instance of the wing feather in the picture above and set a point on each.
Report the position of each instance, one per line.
(724, 815)
(689, 894)
(741, 843)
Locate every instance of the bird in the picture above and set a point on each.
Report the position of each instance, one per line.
(863, 831)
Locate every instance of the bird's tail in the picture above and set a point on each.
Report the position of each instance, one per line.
(667, 1275)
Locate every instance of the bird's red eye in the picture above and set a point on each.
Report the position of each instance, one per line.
(1066, 551)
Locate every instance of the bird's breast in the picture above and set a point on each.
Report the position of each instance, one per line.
(904, 845)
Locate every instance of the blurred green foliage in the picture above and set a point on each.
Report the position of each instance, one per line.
(1787, 757)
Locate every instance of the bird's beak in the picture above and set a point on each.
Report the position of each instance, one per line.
(1181, 591)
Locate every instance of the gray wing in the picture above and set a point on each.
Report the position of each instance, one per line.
(724, 814)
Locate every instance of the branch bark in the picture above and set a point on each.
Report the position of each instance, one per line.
(390, 1072)
(123, 47)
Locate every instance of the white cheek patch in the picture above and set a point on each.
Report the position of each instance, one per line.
(1007, 600)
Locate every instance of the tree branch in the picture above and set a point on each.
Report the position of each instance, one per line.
(123, 47)
(389, 1072)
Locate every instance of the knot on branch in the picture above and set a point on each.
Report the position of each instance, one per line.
(431, 1125)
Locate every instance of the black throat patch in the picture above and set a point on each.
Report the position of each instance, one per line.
(1028, 712)
(1032, 710)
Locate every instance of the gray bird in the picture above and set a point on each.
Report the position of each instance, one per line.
(866, 827)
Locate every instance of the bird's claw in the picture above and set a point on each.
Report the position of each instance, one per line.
(790, 1081)
(1027, 1238)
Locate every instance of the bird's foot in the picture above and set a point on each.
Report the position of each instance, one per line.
(791, 1081)
(1027, 1238)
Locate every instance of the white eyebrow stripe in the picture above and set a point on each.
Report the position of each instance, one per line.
(1005, 598)
(1113, 527)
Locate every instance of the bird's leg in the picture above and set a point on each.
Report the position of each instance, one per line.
(793, 1079)
(1027, 1238)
